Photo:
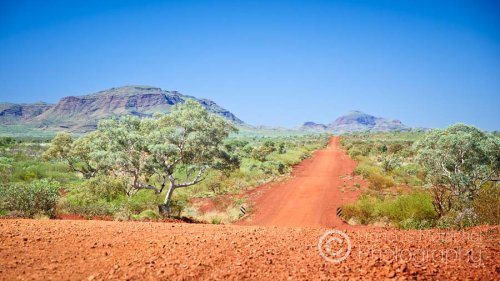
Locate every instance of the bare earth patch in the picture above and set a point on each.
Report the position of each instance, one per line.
(99, 250)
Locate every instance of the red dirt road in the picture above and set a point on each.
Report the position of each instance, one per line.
(311, 197)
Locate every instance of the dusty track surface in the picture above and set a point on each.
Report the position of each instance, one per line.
(103, 250)
(311, 197)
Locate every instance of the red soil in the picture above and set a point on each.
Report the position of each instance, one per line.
(311, 197)
(109, 250)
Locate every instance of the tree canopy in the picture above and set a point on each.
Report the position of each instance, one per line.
(173, 150)
(459, 159)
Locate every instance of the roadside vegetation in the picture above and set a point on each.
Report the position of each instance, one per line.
(144, 168)
(440, 178)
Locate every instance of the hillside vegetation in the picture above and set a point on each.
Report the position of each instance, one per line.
(440, 178)
(143, 168)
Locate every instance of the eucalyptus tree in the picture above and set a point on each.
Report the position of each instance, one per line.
(162, 153)
(183, 145)
(77, 153)
(459, 160)
(123, 151)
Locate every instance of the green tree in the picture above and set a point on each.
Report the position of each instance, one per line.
(184, 145)
(123, 152)
(459, 160)
(78, 154)
(262, 152)
(162, 153)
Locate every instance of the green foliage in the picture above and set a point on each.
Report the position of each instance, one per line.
(374, 174)
(487, 204)
(120, 169)
(101, 196)
(142, 200)
(455, 163)
(106, 196)
(459, 161)
(7, 141)
(416, 206)
(412, 210)
(104, 187)
(39, 197)
(460, 157)
(146, 215)
(379, 182)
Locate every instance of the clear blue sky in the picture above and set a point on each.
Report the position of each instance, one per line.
(276, 63)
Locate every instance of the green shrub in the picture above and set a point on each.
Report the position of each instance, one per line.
(409, 211)
(273, 168)
(354, 152)
(415, 224)
(144, 199)
(487, 204)
(179, 202)
(365, 169)
(379, 182)
(395, 148)
(416, 206)
(89, 205)
(105, 187)
(216, 220)
(146, 215)
(29, 199)
(100, 196)
(364, 210)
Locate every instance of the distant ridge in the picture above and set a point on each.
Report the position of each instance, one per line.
(356, 121)
(81, 113)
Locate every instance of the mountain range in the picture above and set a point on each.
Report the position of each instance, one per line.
(80, 114)
(356, 121)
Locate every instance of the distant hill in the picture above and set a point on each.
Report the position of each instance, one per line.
(312, 126)
(356, 121)
(81, 113)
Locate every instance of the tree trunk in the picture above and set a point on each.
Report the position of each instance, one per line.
(165, 208)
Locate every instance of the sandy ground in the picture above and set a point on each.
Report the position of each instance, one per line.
(103, 250)
(283, 240)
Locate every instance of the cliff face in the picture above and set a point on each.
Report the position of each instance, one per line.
(11, 114)
(81, 113)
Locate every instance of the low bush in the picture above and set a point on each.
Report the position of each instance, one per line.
(38, 197)
(100, 196)
(380, 182)
(409, 211)
(365, 210)
(146, 215)
(416, 206)
(144, 199)
(487, 204)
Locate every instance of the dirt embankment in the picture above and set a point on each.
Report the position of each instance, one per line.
(103, 250)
